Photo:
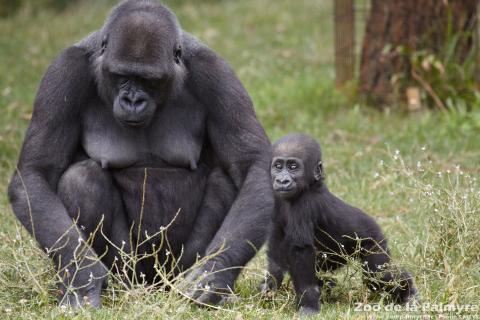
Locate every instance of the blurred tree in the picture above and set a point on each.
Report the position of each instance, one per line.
(10, 7)
(398, 27)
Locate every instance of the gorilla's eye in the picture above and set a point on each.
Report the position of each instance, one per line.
(104, 44)
(278, 165)
(292, 166)
(120, 79)
(177, 54)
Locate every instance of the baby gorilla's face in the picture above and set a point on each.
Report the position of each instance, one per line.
(288, 176)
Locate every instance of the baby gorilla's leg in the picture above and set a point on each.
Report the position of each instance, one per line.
(273, 278)
(379, 274)
(301, 262)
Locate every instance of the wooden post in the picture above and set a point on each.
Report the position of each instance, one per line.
(477, 47)
(344, 41)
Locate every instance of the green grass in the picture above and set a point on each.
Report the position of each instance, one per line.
(283, 53)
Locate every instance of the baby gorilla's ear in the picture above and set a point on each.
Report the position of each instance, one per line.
(318, 171)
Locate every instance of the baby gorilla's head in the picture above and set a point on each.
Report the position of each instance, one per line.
(296, 165)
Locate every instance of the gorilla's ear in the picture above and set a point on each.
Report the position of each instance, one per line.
(104, 44)
(177, 54)
(318, 171)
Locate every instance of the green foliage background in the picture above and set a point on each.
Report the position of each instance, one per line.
(415, 173)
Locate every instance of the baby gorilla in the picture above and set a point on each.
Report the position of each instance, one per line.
(314, 230)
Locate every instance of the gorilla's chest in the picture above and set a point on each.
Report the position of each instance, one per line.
(173, 138)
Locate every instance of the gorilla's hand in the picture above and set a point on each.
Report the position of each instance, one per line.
(208, 285)
(84, 286)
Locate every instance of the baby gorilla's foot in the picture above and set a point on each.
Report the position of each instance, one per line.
(305, 311)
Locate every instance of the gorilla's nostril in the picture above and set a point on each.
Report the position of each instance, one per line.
(125, 101)
(140, 104)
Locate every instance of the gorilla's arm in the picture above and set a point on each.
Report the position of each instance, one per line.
(49, 146)
(244, 151)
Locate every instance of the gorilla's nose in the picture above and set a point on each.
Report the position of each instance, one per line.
(133, 103)
(284, 182)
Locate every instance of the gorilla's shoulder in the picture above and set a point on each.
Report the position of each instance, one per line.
(207, 70)
(90, 42)
(199, 57)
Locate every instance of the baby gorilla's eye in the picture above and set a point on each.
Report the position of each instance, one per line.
(292, 166)
(278, 165)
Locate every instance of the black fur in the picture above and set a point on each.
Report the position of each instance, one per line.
(142, 93)
(313, 229)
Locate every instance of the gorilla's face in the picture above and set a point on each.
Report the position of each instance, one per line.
(135, 97)
(288, 176)
(140, 59)
(295, 166)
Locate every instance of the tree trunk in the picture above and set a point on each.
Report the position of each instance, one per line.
(413, 25)
(344, 41)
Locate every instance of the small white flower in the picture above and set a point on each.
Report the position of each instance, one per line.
(142, 275)
(424, 148)
(381, 163)
(167, 252)
(324, 256)
(376, 175)
(115, 258)
(82, 227)
(207, 287)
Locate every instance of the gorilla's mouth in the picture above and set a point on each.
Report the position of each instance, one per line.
(134, 123)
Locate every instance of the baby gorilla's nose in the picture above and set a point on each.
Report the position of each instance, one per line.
(284, 181)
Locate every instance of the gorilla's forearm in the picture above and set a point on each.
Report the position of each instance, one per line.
(244, 229)
(43, 214)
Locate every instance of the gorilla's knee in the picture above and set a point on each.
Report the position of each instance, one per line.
(84, 176)
(85, 190)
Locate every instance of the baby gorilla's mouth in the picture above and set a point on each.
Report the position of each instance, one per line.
(283, 189)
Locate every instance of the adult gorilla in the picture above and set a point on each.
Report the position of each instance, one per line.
(142, 99)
